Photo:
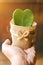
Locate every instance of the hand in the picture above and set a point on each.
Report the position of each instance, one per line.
(17, 56)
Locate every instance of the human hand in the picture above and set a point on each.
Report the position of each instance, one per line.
(17, 56)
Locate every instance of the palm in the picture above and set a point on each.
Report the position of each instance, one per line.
(18, 55)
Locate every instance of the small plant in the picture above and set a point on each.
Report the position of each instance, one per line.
(23, 17)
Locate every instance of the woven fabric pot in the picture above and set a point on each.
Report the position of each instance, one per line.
(22, 36)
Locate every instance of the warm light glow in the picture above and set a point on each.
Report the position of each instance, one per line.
(12, 0)
(17, 1)
(2, 0)
(7, 0)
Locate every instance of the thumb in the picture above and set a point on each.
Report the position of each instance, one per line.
(6, 48)
(5, 45)
(6, 42)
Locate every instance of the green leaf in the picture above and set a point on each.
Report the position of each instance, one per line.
(23, 18)
(28, 17)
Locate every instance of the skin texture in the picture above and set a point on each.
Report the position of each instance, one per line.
(18, 56)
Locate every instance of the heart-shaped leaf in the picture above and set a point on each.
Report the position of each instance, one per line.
(23, 18)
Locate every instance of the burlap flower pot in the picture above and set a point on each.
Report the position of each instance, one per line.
(22, 36)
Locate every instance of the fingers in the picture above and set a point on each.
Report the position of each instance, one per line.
(30, 49)
(31, 54)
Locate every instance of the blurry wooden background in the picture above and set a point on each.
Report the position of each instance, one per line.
(6, 10)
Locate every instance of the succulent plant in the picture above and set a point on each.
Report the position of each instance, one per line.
(23, 17)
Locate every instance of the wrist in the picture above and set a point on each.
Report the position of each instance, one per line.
(12, 60)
